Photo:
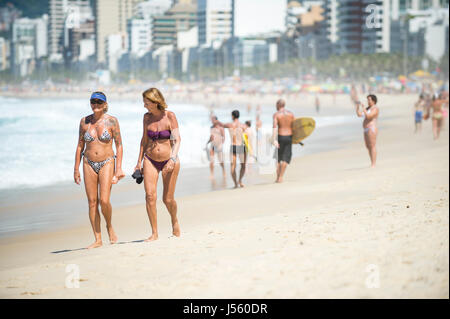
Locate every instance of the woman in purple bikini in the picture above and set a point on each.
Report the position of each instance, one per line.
(159, 149)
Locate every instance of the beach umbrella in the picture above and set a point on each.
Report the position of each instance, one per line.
(421, 74)
(314, 88)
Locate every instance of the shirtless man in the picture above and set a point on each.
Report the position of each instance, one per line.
(282, 137)
(237, 146)
(216, 139)
(370, 125)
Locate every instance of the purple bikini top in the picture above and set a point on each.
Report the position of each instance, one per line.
(158, 135)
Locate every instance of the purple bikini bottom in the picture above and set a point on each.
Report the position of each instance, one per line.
(158, 165)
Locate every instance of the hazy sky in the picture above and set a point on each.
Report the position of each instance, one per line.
(257, 16)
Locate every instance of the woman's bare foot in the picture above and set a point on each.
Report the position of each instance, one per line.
(112, 235)
(240, 184)
(176, 229)
(96, 244)
(152, 238)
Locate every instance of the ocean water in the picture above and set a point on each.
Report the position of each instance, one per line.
(39, 136)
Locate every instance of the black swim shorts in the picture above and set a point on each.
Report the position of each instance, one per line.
(285, 150)
(237, 149)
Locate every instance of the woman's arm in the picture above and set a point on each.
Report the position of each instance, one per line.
(79, 149)
(119, 148)
(175, 135)
(358, 113)
(143, 142)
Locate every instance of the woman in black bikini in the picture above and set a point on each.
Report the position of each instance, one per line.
(159, 145)
(96, 133)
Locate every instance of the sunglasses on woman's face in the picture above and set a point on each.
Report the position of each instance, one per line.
(96, 101)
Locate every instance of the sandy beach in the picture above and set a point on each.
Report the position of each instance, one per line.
(334, 229)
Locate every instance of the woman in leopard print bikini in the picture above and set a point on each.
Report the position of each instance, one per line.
(96, 133)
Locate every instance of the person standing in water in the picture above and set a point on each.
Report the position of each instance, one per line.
(369, 125)
(160, 144)
(217, 138)
(96, 134)
(237, 147)
(282, 137)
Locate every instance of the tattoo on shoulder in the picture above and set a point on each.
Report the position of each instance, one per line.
(110, 122)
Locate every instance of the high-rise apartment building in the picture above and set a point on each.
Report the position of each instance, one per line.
(63, 15)
(111, 17)
(181, 17)
(215, 20)
(150, 8)
(139, 36)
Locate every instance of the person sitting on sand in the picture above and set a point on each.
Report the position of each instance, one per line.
(160, 143)
(282, 137)
(96, 134)
(370, 125)
(237, 147)
(217, 138)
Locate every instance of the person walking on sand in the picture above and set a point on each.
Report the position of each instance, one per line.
(437, 116)
(159, 147)
(96, 134)
(419, 107)
(282, 137)
(237, 147)
(216, 139)
(369, 125)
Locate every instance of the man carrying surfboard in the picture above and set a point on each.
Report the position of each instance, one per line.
(237, 147)
(282, 137)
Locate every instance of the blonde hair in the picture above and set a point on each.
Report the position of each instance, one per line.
(155, 95)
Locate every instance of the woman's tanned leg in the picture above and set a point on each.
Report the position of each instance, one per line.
(105, 176)
(150, 181)
(91, 186)
(169, 181)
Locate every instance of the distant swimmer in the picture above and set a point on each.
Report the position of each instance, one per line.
(158, 149)
(237, 147)
(96, 134)
(370, 125)
(216, 140)
(419, 108)
(282, 137)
